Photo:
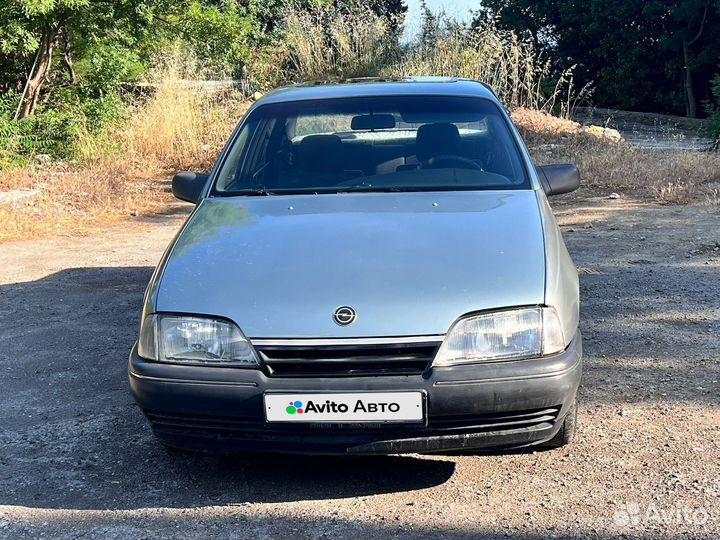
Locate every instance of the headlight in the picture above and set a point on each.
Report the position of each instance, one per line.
(194, 340)
(518, 333)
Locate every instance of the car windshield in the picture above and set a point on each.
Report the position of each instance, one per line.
(394, 143)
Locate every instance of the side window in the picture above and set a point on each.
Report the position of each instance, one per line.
(245, 168)
(257, 157)
(229, 172)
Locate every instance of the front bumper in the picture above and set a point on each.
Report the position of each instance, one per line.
(507, 404)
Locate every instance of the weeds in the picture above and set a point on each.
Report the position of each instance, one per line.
(124, 170)
(667, 176)
(327, 42)
(181, 126)
(509, 65)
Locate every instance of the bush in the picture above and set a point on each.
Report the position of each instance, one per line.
(108, 65)
(712, 126)
(221, 33)
(52, 132)
(123, 167)
(56, 131)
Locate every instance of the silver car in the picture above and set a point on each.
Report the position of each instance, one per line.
(371, 267)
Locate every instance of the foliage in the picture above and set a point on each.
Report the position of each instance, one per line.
(632, 51)
(96, 47)
(86, 24)
(222, 33)
(106, 66)
(712, 125)
(392, 10)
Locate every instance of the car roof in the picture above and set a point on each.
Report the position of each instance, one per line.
(369, 87)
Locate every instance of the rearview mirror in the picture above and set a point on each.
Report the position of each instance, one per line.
(373, 121)
(559, 179)
(187, 186)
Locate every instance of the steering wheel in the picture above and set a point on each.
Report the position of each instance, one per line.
(450, 161)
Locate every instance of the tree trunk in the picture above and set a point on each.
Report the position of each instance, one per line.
(38, 74)
(691, 106)
(67, 57)
(690, 103)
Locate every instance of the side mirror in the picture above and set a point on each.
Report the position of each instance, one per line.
(187, 186)
(559, 179)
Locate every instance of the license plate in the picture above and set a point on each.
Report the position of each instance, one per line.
(343, 408)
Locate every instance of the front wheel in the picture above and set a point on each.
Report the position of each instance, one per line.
(567, 430)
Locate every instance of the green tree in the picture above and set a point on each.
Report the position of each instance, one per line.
(49, 44)
(713, 109)
(220, 33)
(37, 29)
(430, 26)
(640, 54)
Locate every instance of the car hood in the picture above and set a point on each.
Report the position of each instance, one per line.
(408, 263)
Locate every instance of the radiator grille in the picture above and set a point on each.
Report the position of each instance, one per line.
(348, 360)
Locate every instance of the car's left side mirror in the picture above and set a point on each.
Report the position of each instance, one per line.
(559, 179)
(187, 186)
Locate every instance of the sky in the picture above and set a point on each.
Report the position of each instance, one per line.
(460, 9)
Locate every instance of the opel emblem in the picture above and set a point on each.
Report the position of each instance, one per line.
(344, 315)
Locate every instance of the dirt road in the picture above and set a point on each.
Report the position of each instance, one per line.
(77, 459)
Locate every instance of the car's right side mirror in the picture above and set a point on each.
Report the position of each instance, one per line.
(187, 186)
(559, 179)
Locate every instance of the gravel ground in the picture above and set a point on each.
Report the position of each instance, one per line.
(77, 459)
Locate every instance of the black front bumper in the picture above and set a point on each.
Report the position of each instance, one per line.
(498, 405)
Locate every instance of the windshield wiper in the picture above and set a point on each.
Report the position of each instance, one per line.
(251, 192)
(356, 189)
(360, 187)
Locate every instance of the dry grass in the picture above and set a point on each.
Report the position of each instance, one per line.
(499, 58)
(124, 172)
(180, 127)
(75, 200)
(351, 41)
(325, 41)
(540, 127)
(666, 176)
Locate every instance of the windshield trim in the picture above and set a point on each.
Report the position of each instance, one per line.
(354, 191)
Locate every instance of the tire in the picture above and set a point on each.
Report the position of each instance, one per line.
(567, 430)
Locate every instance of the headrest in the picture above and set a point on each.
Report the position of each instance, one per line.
(437, 140)
(320, 153)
